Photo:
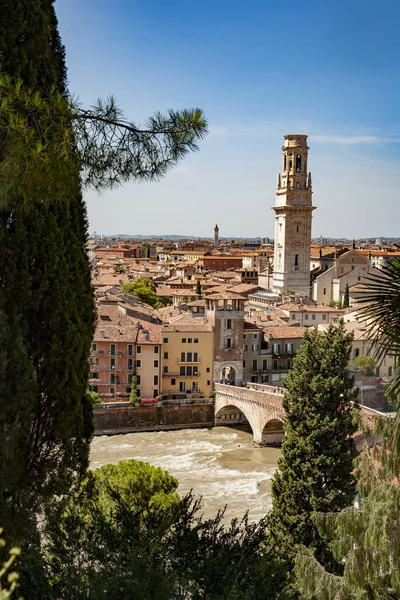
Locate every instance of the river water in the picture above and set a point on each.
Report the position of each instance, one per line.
(219, 464)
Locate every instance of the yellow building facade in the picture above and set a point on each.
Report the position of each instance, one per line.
(187, 360)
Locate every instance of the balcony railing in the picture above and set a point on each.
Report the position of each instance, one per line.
(107, 382)
(179, 375)
(108, 368)
(185, 362)
(106, 353)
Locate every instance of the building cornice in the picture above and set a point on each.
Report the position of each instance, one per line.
(292, 208)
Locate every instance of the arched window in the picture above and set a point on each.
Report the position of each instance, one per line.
(296, 260)
(284, 162)
(298, 163)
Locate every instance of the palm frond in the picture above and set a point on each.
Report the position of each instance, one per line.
(381, 310)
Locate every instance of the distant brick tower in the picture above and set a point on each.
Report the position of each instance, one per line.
(226, 312)
(293, 215)
(216, 236)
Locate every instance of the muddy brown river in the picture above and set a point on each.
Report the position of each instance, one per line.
(219, 464)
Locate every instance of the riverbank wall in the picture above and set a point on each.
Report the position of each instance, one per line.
(111, 419)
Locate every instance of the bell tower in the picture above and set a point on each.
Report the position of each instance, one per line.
(216, 236)
(293, 214)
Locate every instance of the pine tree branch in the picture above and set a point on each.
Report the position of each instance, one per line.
(46, 140)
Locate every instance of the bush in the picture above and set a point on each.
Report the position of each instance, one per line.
(364, 364)
(94, 397)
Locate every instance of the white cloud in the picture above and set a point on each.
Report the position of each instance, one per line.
(349, 140)
(273, 129)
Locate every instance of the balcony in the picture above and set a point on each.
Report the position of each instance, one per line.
(113, 369)
(187, 362)
(106, 353)
(179, 375)
(107, 382)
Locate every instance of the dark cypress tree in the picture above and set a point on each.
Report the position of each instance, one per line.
(346, 297)
(315, 470)
(46, 306)
(198, 287)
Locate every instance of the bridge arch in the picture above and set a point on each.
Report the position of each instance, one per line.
(231, 415)
(228, 373)
(272, 433)
(260, 408)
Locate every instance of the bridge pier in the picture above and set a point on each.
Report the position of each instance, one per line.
(269, 439)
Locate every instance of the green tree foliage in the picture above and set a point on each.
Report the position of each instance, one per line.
(128, 535)
(364, 364)
(7, 589)
(134, 396)
(315, 470)
(366, 541)
(49, 145)
(366, 538)
(346, 298)
(139, 485)
(94, 397)
(198, 287)
(45, 134)
(144, 288)
(46, 301)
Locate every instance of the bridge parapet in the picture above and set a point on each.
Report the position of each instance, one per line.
(268, 395)
(264, 387)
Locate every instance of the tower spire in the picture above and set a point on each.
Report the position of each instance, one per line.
(216, 236)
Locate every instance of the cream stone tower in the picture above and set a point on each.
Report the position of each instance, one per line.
(293, 215)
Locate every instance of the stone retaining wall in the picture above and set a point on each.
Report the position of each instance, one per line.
(152, 418)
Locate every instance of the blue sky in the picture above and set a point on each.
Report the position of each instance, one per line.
(259, 70)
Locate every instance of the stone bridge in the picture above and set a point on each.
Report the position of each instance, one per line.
(259, 406)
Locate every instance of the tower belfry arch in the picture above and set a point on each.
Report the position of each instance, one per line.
(293, 215)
